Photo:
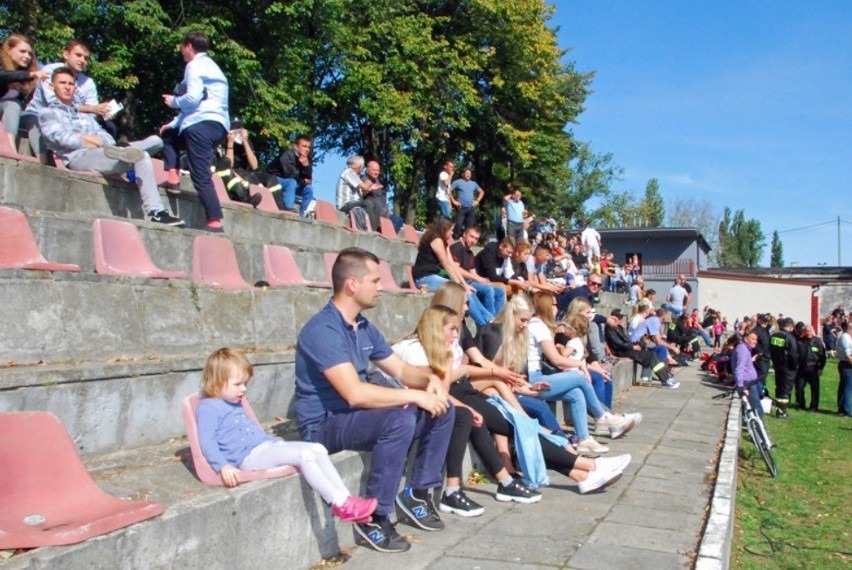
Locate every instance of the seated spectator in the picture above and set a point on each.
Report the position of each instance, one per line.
(232, 442)
(19, 76)
(337, 407)
(82, 144)
(492, 297)
(201, 125)
(434, 345)
(294, 172)
(494, 262)
(653, 328)
(378, 194)
(637, 291)
(677, 297)
(239, 167)
(621, 346)
(538, 275)
(75, 56)
(434, 266)
(352, 192)
(589, 291)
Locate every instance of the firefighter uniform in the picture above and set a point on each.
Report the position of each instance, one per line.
(811, 363)
(783, 350)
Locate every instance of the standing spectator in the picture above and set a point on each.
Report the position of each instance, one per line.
(19, 76)
(829, 332)
(591, 240)
(337, 407)
(783, 349)
(844, 370)
(82, 144)
(468, 196)
(812, 361)
(746, 376)
(491, 296)
(352, 192)
(442, 194)
(201, 125)
(294, 171)
(514, 215)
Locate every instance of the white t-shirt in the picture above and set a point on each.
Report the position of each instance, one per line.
(443, 192)
(576, 351)
(538, 332)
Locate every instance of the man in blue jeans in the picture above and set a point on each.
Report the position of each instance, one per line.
(337, 406)
(294, 171)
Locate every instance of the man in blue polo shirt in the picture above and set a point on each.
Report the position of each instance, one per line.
(337, 407)
(514, 215)
(468, 196)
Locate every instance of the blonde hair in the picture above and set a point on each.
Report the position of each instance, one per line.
(543, 304)
(451, 295)
(220, 366)
(641, 307)
(514, 343)
(577, 306)
(579, 324)
(430, 332)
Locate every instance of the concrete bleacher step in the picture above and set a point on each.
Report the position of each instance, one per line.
(276, 523)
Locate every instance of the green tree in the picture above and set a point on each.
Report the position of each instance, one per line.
(777, 251)
(741, 241)
(653, 205)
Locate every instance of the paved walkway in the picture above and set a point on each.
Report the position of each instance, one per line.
(651, 518)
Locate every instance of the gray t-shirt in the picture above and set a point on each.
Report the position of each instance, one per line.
(678, 295)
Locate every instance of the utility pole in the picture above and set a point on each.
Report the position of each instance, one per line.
(838, 241)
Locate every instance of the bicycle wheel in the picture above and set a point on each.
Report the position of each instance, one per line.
(762, 445)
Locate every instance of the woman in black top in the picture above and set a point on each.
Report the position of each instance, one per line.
(18, 78)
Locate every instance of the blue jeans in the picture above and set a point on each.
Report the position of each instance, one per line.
(844, 389)
(573, 388)
(388, 433)
(539, 410)
(444, 209)
(289, 188)
(480, 315)
(603, 389)
(755, 393)
(676, 311)
(493, 298)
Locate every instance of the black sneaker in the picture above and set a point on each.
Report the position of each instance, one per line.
(419, 512)
(382, 536)
(163, 217)
(517, 491)
(460, 504)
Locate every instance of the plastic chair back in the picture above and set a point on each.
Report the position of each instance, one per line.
(18, 248)
(48, 497)
(409, 234)
(388, 282)
(214, 262)
(281, 268)
(222, 192)
(205, 473)
(119, 251)
(326, 212)
(386, 228)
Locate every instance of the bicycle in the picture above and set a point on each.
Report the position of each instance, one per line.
(756, 430)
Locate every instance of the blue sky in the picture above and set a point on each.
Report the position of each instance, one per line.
(746, 104)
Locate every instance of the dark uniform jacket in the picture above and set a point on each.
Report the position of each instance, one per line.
(784, 351)
(812, 357)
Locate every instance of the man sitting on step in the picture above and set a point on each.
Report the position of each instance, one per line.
(83, 144)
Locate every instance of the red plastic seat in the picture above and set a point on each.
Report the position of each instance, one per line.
(409, 234)
(281, 268)
(7, 151)
(214, 262)
(328, 259)
(386, 229)
(18, 248)
(48, 497)
(326, 212)
(119, 251)
(203, 470)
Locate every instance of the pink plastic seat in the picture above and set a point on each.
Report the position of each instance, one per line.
(119, 251)
(18, 248)
(386, 229)
(281, 268)
(326, 212)
(202, 469)
(222, 193)
(328, 259)
(409, 234)
(48, 497)
(214, 262)
(7, 151)
(388, 281)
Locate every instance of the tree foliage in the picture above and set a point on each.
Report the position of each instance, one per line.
(741, 241)
(776, 251)
(409, 82)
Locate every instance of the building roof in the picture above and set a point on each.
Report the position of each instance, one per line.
(656, 233)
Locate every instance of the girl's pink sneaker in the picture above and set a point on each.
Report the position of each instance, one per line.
(355, 509)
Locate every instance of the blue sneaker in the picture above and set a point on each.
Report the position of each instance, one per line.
(419, 512)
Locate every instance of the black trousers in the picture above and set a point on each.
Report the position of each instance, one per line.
(464, 431)
(808, 378)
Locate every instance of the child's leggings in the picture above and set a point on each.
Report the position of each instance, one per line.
(310, 458)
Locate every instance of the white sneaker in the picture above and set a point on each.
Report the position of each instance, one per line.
(635, 416)
(618, 425)
(618, 463)
(590, 446)
(598, 479)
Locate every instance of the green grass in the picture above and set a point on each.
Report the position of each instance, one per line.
(801, 519)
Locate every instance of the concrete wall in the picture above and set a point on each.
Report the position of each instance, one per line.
(740, 297)
(832, 295)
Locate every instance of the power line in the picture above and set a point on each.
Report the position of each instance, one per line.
(814, 226)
